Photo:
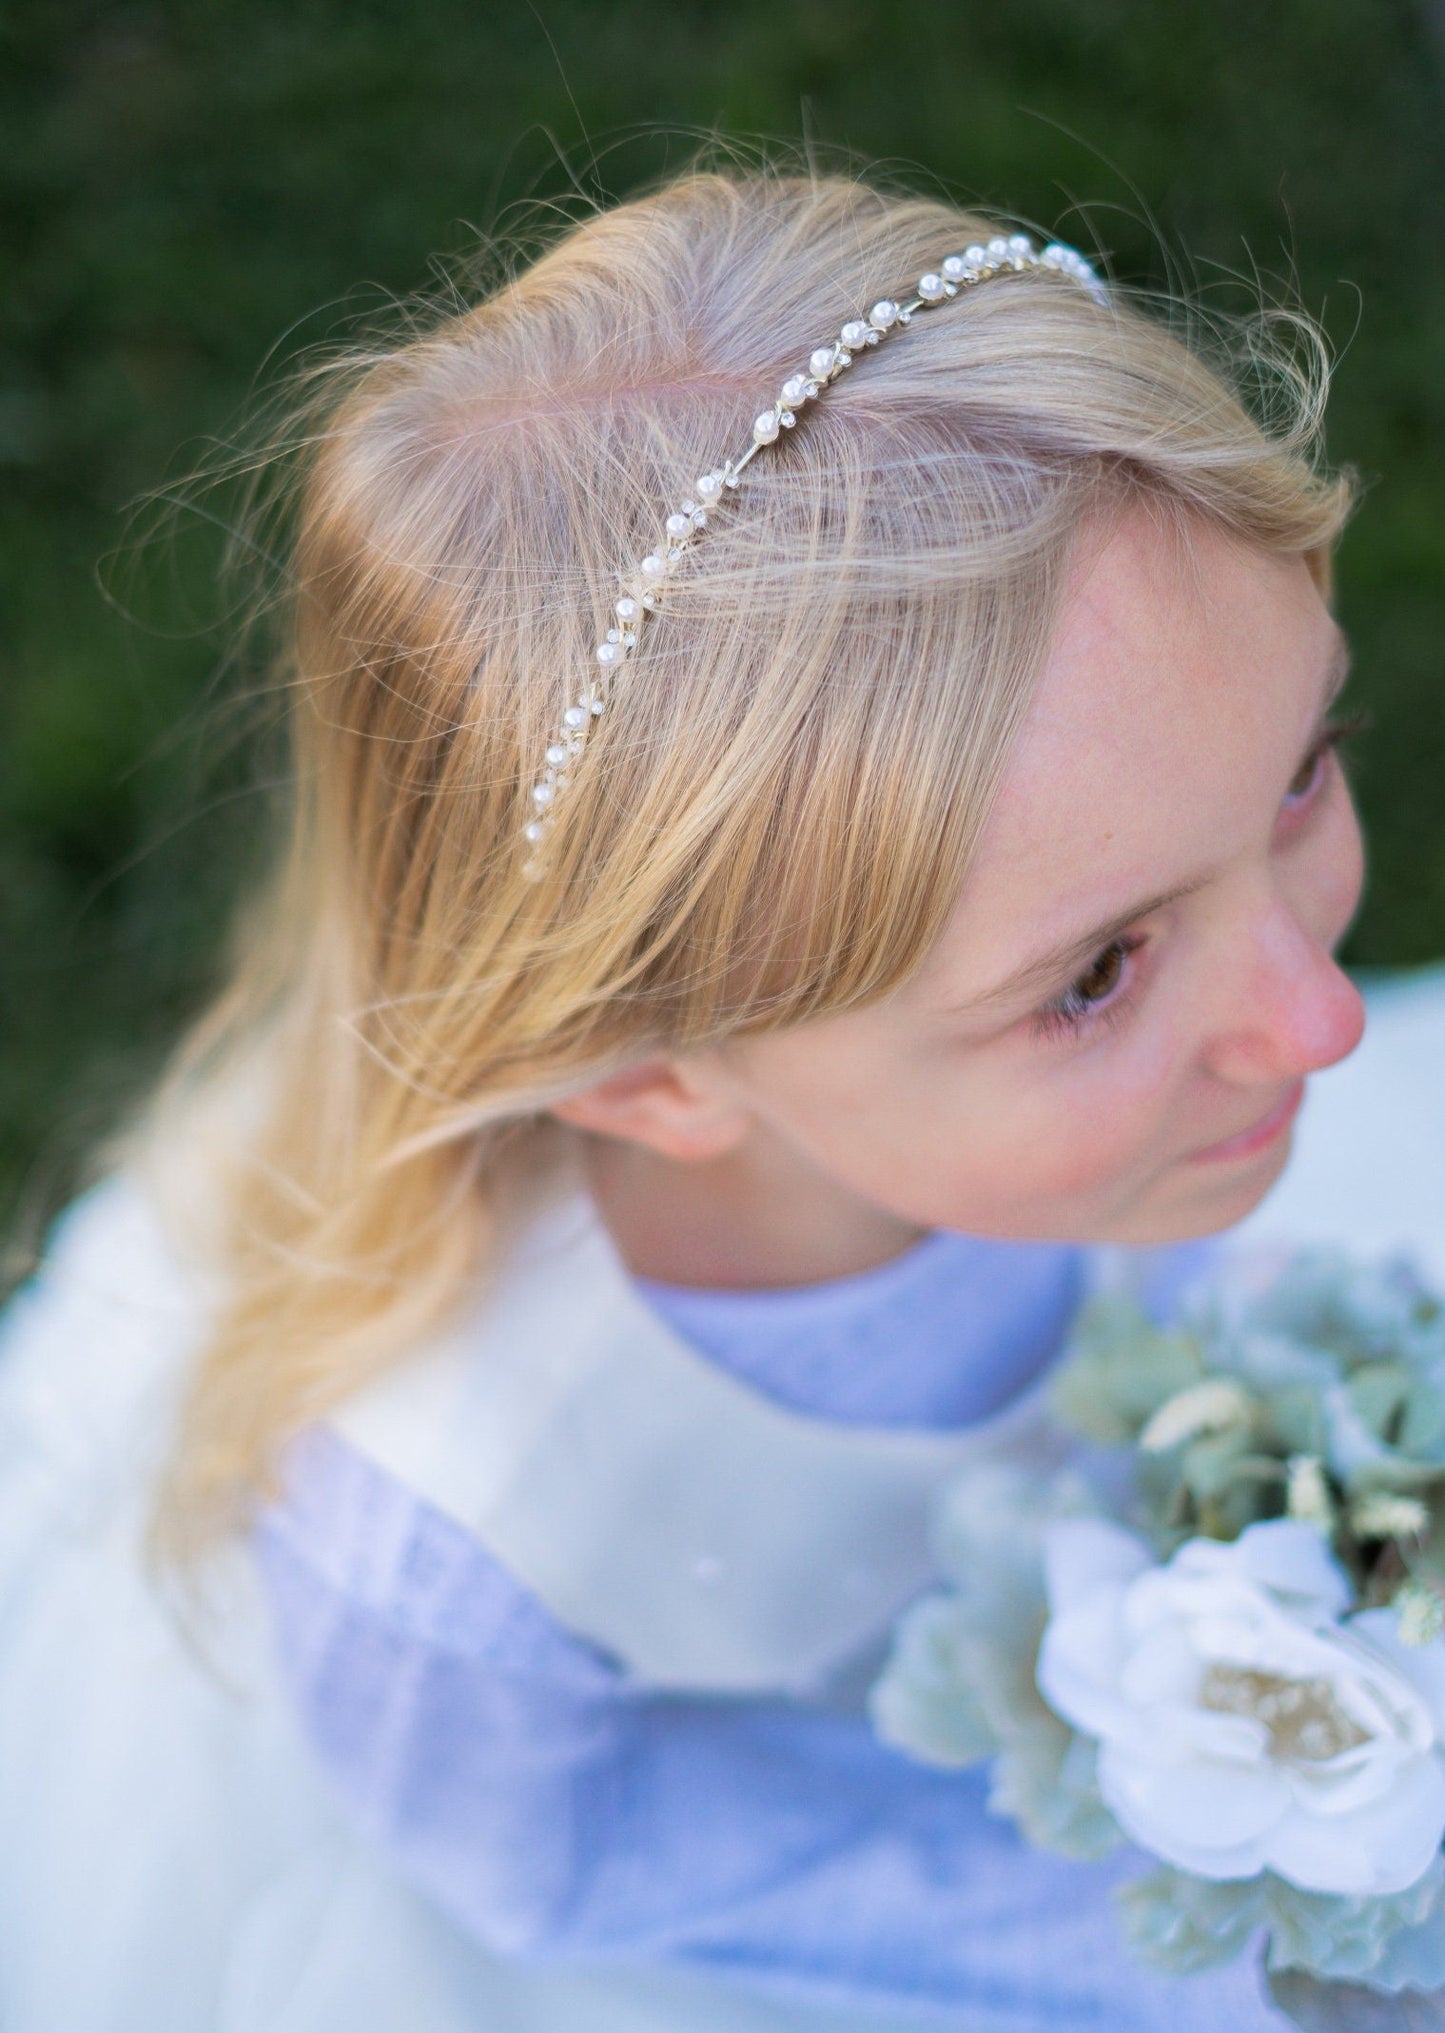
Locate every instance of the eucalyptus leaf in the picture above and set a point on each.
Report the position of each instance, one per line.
(1378, 1391)
(1181, 1924)
(1323, 2007)
(1422, 1428)
(1299, 1419)
(1120, 1370)
(926, 1702)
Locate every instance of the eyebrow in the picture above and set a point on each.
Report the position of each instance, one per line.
(1045, 969)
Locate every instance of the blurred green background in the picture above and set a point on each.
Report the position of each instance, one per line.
(193, 193)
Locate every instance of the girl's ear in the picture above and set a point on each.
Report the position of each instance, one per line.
(658, 1103)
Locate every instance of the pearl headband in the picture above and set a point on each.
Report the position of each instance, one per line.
(642, 592)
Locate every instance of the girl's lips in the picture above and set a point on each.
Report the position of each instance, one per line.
(1263, 1133)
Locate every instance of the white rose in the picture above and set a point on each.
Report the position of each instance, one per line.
(1245, 1723)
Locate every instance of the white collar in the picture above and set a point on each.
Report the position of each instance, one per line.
(706, 1536)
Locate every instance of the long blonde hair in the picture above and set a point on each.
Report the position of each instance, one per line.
(774, 819)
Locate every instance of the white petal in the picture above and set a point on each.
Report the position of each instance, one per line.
(1422, 1665)
(1266, 1641)
(1342, 1785)
(1378, 1849)
(1205, 1817)
(1161, 1666)
(1079, 1664)
(1173, 1732)
(1293, 1560)
(1081, 1554)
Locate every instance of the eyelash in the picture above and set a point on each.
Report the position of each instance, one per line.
(1072, 1012)
(1331, 735)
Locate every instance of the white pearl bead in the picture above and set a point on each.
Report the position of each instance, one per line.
(710, 486)
(556, 753)
(597, 705)
(854, 334)
(997, 249)
(954, 269)
(625, 609)
(652, 567)
(975, 257)
(931, 287)
(820, 363)
(1053, 255)
(678, 526)
(533, 830)
(609, 653)
(575, 716)
(884, 314)
(765, 427)
(541, 794)
(1020, 243)
(796, 389)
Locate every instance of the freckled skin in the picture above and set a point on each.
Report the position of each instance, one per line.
(1177, 701)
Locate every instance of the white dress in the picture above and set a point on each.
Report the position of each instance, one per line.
(171, 1859)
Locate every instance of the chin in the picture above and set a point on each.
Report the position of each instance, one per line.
(1218, 1203)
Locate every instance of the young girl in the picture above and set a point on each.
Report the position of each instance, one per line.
(748, 959)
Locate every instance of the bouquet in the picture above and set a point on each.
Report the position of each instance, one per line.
(1221, 1636)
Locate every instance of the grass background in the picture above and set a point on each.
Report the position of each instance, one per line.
(190, 194)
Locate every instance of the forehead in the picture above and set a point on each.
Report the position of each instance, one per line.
(1184, 676)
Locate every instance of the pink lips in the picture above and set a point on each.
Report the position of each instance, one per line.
(1263, 1133)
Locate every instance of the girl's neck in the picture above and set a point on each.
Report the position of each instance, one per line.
(757, 1217)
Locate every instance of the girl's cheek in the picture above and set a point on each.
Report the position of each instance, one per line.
(1114, 1115)
(1344, 879)
(1075, 1149)
(1325, 877)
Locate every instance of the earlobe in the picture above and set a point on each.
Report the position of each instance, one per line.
(656, 1105)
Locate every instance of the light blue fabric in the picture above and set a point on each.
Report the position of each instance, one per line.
(559, 1809)
(944, 1334)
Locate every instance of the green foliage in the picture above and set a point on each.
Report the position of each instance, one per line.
(192, 195)
(1211, 1408)
(1121, 1370)
(959, 1684)
(1317, 1391)
(1183, 1924)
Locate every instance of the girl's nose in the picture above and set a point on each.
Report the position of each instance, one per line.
(1296, 1011)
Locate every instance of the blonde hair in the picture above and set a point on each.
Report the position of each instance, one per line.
(774, 818)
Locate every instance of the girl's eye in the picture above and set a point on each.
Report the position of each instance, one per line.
(1095, 996)
(1312, 770)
